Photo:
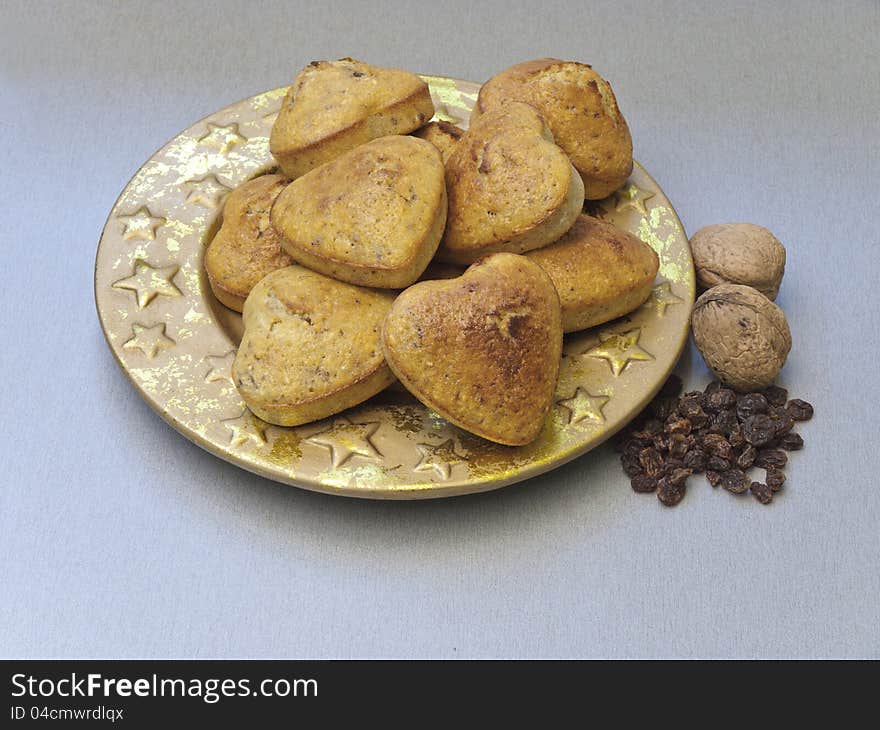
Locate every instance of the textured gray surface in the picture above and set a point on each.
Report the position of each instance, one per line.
(119, 538)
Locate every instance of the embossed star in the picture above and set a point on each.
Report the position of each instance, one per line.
(662, 297)
(619, 349)
(582, 406)
(149, 282)
(244, 428)
(221, 367)
(439, 458)
(149, 340)
(345, 439)
(141, 224)
(632, 196)
(223, 138)
(206, 192)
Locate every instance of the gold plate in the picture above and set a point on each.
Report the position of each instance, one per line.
(176, 343)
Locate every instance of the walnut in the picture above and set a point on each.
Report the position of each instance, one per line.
(742, 335)
(738, 253)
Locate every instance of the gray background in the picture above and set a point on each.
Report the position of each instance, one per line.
(119, 538)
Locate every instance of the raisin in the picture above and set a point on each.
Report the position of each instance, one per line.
(643, 483)
(713, 477)
(668, 493)
(678, 476)
(716, 463)
(632, 448)
(713, 387)
(775, 479)
(678, 425)
(792, 442)
(716, 445)
(759, 430)
(775, 395)
(762, 492)
(690, 404)
(631, 466)
(735, 481)
(719, 400)
(771, 458)
(784, 422)
(695, 459)
(749, 404)
(679, 445)
(651, 461)
(800, 410)
(723, 422)
(691, 409)
(736, 437)
(747, 457)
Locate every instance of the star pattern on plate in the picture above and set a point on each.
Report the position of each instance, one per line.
(584, 406)
(141, 224)
(439, 458)
(619, 349)
(149, 340)
(345, 439)
(207, 191)
(632, 196)
(221, 367)
(222, 138)
(149, 282)
(246, 428)
(662, 297)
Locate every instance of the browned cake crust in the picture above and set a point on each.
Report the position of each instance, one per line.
(246, 247)
(310, 347)
(443, 135)
(483, 350)
(581, 111)
(372, 216)
(510, 187)
(600, 272)
(334, 106)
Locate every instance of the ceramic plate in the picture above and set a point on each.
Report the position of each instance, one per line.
(176, 343)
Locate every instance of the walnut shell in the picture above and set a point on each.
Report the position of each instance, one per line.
(742, 335)
(738, 253)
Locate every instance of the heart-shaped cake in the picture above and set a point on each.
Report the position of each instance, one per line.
(247, 246)
(580, 109)
(600, 271)
(334, 106)
(311, 346)
(443, 135)
(510, 187)
(373, 216)
(482, 350)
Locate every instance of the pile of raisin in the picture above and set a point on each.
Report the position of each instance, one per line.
(718, 432)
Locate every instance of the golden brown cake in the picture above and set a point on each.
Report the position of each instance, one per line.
(600, 272)
(510, 187)
(372, 216)
(334, 106)
(310, 347)
(246, 247)
(581, 111)
(443, 135)
(482, 350)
